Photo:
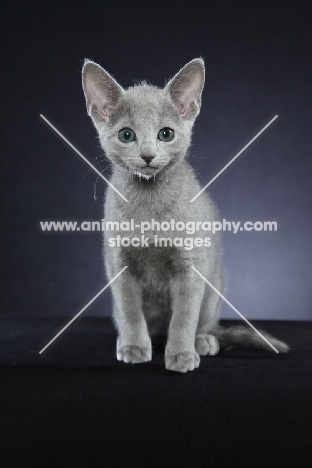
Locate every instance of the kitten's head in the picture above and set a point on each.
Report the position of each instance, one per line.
(144, 129)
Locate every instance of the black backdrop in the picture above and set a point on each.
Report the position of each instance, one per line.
(258, 59)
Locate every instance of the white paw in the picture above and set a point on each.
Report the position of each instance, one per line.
(207, 345)
(182, 362)
(133, 354)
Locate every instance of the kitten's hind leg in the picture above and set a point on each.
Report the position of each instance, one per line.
(154, 317)
(207, 344)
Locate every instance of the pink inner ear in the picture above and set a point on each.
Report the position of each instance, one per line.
(188, 105)
(189, 96)
(99, 102)
(101, 91)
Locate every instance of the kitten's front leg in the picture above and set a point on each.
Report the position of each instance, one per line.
(186, 295)
(133, 342)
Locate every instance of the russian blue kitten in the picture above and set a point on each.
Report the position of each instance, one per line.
(145, 132)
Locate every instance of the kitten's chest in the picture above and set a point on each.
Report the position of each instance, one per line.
(155, 266)
(145, 218)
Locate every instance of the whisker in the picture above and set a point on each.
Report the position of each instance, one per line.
(95, 183)
(85, 176)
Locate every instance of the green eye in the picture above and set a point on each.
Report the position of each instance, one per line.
(166, 134)
(126, 135)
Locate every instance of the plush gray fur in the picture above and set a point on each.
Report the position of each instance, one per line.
(159, 284)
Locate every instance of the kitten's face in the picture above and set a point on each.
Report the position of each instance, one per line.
(145, 133)
(144, 129)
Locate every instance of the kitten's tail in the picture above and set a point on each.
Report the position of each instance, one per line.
(243, 336)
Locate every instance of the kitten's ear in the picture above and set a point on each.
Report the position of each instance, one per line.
(186, 87)
(101, 91)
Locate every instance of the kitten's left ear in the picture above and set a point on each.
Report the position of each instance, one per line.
(101, 91)
(186, 87)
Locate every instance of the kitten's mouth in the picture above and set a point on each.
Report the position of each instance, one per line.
(146, 171)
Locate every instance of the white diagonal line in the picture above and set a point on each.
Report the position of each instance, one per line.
(233, 159)
(235, 310)
(85, 159)
(79, 313)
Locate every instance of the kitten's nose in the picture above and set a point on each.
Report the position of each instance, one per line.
(148, 158)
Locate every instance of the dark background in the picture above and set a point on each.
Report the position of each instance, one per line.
(258, 59)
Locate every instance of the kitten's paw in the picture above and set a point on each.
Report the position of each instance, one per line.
(182, 362)
(207, 344)
(134, 354)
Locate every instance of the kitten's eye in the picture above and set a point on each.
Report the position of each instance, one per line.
(126, 135)
(166, 134)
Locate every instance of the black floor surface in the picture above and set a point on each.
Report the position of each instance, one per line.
(76, 405)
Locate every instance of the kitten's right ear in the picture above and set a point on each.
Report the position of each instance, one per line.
(101, 91)
(186, 87)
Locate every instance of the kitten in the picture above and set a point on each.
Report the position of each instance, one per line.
(145, 132)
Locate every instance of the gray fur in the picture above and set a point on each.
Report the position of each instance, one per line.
(159, 284)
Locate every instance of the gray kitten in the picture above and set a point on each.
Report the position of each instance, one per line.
(145, 132)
